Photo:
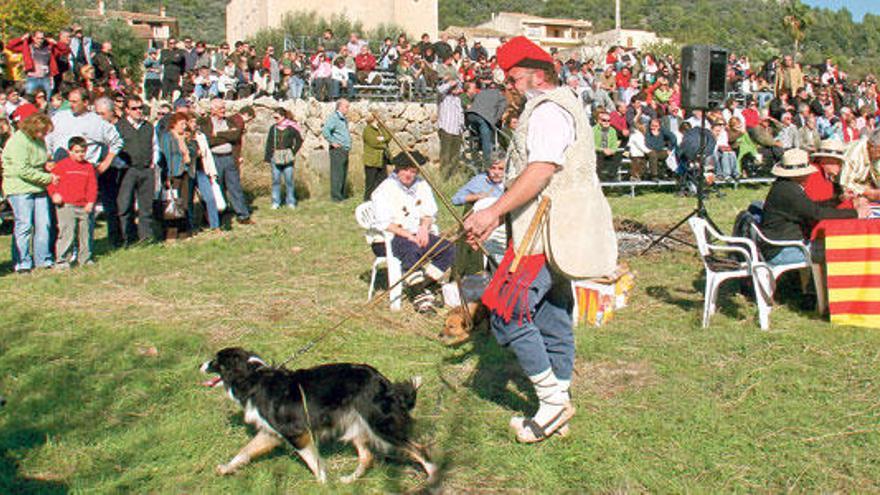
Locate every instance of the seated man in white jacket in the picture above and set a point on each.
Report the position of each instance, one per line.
(404, 206)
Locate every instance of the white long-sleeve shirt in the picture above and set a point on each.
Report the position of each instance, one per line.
(637, 146)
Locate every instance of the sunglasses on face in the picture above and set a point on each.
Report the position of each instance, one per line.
(138, 108)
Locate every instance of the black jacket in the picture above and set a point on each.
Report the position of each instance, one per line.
(287, 138)
(789, 215)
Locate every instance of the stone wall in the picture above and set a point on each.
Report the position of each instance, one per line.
(415, 124)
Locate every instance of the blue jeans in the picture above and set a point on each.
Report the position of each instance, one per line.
(207, 193)
(787, 256)
(547, 341)
(287, 173)
(32, 223)
(295, 87)
(34, 83)
(230, 181)
(484, 129)
(727, 164)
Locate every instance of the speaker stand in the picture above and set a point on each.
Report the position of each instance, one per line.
(700, 211)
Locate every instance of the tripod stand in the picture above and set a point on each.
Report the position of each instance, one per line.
(700, 210)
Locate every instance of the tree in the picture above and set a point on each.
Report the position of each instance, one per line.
(23, 16)
(798, 17)
(128, 49)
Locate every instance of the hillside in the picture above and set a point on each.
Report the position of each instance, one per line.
(201, 19)
(750, 27)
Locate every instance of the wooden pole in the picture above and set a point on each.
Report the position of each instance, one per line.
(427, 178)
(532, 233)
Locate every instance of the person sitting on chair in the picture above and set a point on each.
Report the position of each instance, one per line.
(404, 206)
(822, 186)
(789, 215)
(488, 184)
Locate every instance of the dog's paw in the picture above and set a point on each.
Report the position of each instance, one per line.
(348, 479)
(225, 469)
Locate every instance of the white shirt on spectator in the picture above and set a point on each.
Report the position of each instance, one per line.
(406, 206)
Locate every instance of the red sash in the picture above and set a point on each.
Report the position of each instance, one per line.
(506, 289)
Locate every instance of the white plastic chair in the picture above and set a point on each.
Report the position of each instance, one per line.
(808, 263)
(709, 243)
(366, 218)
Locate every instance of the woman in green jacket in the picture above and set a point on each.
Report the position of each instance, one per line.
(282, 144)
(24, 184)
(375, 152)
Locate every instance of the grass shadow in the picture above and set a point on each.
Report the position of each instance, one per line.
(13, 440)
(495, 372)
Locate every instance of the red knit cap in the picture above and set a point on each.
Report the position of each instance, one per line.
(23, 112)
(522, 52)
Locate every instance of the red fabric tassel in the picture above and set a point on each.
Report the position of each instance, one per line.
(507, 290)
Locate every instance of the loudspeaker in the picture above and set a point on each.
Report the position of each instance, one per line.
(703, 76)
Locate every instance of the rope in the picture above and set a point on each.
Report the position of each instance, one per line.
(429, 255)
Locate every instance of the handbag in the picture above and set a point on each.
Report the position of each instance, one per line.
(281, 156)
(219, 200)
(172, 205)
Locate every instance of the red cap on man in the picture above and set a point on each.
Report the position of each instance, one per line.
(522, 52)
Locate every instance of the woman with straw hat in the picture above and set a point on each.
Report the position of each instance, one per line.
(789, 214)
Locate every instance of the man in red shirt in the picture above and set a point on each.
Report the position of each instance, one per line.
(74, 196)
(821, 186)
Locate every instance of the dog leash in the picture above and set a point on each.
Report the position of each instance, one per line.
(429, 255)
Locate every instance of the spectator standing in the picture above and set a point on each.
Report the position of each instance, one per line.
(24, 186)
(375, 158)
(789, 77)
(103, 144)
(177, 157)
(224, 136)
(450, 121)
(104, 63)
(282, 144)
(173, 61)
(39, 56)
(336, 133)
(152, 75)
(80, 49)
(139, 154)
(74, 191)
(189, 55)
(483, 115)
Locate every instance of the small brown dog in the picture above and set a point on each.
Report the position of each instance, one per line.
(461, 322)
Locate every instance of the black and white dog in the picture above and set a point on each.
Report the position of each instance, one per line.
(349, 402)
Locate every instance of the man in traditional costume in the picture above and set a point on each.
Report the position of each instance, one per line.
(559, 227)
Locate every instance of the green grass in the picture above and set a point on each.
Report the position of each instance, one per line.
(663, 405)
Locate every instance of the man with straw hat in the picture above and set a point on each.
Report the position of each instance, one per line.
(789, 214)
(560, 228)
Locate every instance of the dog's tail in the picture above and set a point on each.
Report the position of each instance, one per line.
(406, 391)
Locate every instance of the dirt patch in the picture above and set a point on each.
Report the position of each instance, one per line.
(633, 237)
(607, 379)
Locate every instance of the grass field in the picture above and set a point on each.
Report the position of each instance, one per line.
(100, 367)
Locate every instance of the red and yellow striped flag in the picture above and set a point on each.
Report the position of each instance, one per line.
(852, 260)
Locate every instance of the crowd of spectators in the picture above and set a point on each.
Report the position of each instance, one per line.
(632, 99)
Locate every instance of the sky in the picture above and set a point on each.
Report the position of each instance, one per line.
(858, 7)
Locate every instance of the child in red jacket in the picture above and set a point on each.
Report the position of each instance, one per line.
(74, 195)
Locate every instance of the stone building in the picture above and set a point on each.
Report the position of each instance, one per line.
(246, 17)
(155, 29)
